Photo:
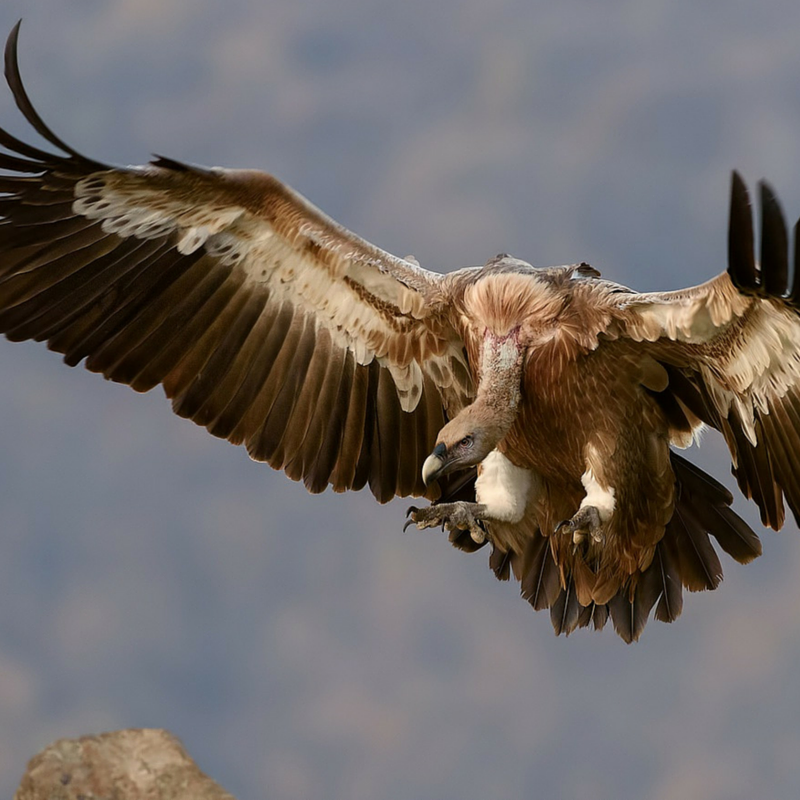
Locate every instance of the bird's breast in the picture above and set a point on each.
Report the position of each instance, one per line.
(567, 399)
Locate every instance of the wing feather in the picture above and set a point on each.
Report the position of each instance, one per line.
(344, 473)
(323, 449)
(263, 319)
(281, 410)
(732, 347)
(386, 443)
(364, 465)
(214, 386)
(257, 356)
(774, 244)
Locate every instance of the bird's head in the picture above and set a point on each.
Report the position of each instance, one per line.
(464, 442)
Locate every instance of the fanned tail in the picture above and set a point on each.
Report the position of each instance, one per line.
(684, 558)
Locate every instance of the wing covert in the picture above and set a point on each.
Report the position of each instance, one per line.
(263, 319)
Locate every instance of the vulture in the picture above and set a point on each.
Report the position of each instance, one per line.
(538, 410)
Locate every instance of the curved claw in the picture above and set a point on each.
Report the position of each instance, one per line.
(410, 512)
(565, 523)
(478, 533)
(579, 546)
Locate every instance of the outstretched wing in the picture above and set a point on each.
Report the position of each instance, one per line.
(732, 352)
(263, 319)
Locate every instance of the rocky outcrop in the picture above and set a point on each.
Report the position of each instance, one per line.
(134, 764)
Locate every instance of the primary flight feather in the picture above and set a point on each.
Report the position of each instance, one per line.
(537, 409)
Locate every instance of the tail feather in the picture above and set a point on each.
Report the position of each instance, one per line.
(731, 532)
(622, 617)
(600, 617)
(500, 563)
(595, 615)
(630, 615)
(698, 561)
(565, 611)
(540, 582)
(665, 565)
(684, 558)
(708, 503)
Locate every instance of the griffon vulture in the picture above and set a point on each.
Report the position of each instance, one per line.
(537, 409)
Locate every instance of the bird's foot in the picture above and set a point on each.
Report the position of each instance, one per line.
(584, 527)
(454, 517)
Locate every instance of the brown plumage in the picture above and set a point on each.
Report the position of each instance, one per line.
(537, 408)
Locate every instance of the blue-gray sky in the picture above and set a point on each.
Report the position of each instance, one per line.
(305, 647)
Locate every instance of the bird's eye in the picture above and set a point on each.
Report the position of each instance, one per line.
(466, 441)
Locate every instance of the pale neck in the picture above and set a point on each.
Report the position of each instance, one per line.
(500, 379)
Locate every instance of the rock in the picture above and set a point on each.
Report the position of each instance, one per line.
(146, 764)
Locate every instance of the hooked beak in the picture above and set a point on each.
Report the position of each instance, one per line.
(434, 464)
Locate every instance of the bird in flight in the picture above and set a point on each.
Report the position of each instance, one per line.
(537, 409)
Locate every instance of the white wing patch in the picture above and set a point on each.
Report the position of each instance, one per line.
(694, 315)
(748, 350)
(134, 212)
(365, 308)
(765, 357)
(193, 239)
(761, 366)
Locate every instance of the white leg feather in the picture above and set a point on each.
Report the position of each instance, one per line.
(503, 488)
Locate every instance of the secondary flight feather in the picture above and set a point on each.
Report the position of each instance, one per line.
(537, 409)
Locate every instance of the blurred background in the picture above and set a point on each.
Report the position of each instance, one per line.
(305, 647)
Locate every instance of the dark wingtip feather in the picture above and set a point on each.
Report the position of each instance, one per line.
(14, 80)
(794, 296)
(168, 163)
(741, 249)
(774, 243)
(175, 166)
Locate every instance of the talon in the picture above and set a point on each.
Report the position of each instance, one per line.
(580, 545)
(565, 523)
(478, 534)
(453, 517)
(586, 528)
